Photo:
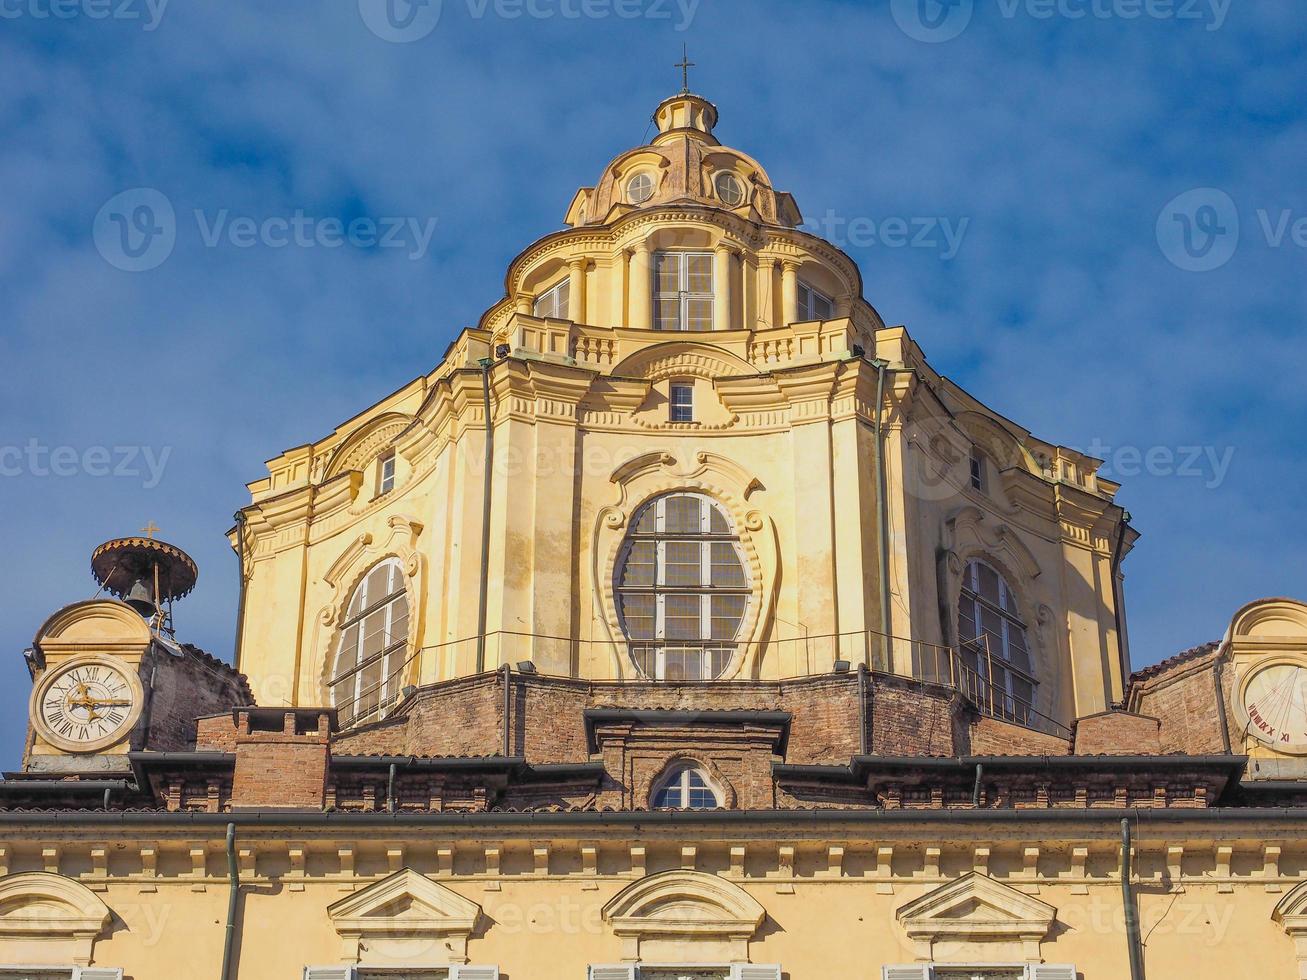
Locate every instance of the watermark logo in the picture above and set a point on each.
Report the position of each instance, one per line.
(136, 230)
(401, 21)
(36, 459)
(932, 21)
(148, 13)
(1198, 231)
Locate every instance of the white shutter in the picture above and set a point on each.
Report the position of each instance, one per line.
(1051, 971)
(624, 972)
(99, 973)
(915, 972)
(474, 973)
(749, 971)
(329, 973)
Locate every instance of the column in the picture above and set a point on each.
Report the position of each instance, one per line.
(721, 277)
(789, 292)
(641, 285)
(576, 311)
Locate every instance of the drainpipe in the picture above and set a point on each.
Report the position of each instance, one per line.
(241, 582)
(1218, 667)
(233, 874)
(1128, 900)
(882, 530)
(1116, 601)
(486, 364)
(862, 708)
(508, 742)
(390, 788)
(975, 790)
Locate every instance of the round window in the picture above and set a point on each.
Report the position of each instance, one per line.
(639, 188)
(729, 189)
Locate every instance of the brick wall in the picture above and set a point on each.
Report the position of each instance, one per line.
(183, 689)
(285, 767)
(1182, 697)
(990, 736)
(909, 718)
(1117, 733)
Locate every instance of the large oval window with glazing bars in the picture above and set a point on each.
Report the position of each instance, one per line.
(682, 588)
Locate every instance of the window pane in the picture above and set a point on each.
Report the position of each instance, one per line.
(727, 611)
(667, 272)
(684, 563)
(727, 572)
(667, 313)
(699, 313)
(988, 579)
(374, 634)
(669, 796)
(370, 690)
(349, 650)
(682, 515)
(683, 617)
(699, 273)
(647, 522)
(398, 621)
(717, 522)
(639, 567)
(638, 614)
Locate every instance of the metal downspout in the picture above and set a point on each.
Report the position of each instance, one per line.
(1116, 602)
(241, 583)
(233, 874)
(486, 364)
(508, 743)
(862, 709)
(975, 790)
(1128, 900)
(882, 531)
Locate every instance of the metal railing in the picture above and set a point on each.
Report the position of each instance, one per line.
(772, 660)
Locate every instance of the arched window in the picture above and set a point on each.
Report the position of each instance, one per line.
(369, 657)
(682, 589)
(684, 788)
(995, 654)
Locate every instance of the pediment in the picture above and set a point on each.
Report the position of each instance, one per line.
(978, 907)
(1291, 911)
(684, 903)
(405, 901)
(47, 918)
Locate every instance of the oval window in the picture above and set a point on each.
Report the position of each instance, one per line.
(639, 188)
(729, 189)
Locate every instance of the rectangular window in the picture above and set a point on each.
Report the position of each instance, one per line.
(683, 291)
(386, 474)
(555, 302)
(682, 401)
(930, 971)
(977, 470)
(814, 305)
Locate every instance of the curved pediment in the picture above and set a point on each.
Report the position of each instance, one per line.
(1265, 618)
(686, 903)
(50, 918)
(364, 444)
(679, 360)
(95, 621)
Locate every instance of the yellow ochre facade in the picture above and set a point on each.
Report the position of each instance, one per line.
(681, 624)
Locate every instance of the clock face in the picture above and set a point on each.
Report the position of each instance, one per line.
(1275, 699)
(87, 704)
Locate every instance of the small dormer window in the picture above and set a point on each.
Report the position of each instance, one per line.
(554, 302)
(386, 474)
(729, 189)
(814, 305)
(682, 401)
(639, 188)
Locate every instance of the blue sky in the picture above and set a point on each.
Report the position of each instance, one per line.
(1086, 298)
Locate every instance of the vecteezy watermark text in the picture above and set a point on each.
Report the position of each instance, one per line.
(137, 231)
(936, 21)
(937, 233)
(36, 459)
(406, 21)
(1211, 464)
(148, 12)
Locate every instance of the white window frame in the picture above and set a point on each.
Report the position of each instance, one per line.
(681, 775)
(1009, 619)
(396, 645)
(659, 645)
(682, 411)
(630, 183)
(729, 175)
(809, 297)
(978, 471)
(957, 971)
(62, 972)
(656, 971)
(555, 302)
(441, 972)
(386, 474)
(682, 297)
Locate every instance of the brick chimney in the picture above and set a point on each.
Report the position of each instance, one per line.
(282, 756)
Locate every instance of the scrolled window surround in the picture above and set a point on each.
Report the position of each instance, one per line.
(732, 487)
